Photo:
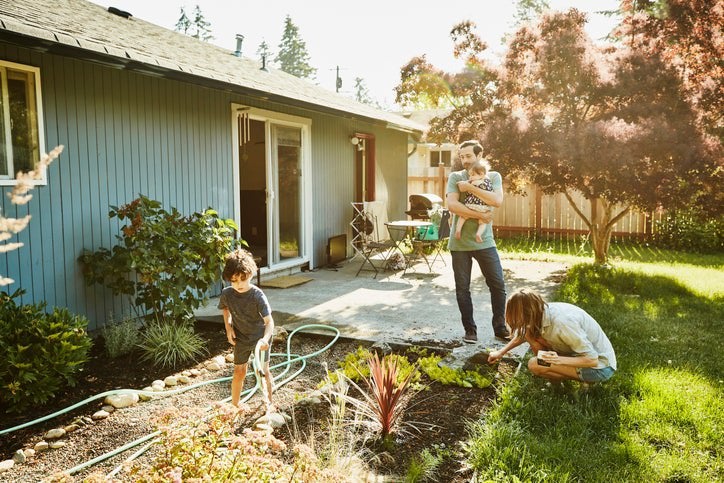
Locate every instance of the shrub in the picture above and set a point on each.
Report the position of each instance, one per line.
(41, 352)
(165, 262)
(690, 230)
(167, 344)
(120, 338)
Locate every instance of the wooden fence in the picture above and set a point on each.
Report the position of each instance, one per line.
(535, 213)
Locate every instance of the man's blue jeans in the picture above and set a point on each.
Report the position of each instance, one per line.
(489, 263)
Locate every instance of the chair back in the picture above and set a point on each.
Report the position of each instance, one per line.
(443, 231)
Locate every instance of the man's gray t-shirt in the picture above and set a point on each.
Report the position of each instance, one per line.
(248, 310)
(467, 242)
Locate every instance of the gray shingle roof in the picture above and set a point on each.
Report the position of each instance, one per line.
(136, 44)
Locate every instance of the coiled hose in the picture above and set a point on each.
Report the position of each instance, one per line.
(258, 364)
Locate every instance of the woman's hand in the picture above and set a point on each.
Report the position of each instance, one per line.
(495, 356)
(551, 357)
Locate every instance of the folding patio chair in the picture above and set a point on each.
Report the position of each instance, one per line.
(443, 233)
(369, 247)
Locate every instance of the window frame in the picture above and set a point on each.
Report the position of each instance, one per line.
(9, 179)
(440, 149)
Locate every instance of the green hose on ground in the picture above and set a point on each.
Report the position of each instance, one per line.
(290, 359)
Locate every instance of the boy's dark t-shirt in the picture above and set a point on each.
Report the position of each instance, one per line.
(248, 310)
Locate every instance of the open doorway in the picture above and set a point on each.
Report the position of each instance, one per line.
(271, 153)
(252, 187)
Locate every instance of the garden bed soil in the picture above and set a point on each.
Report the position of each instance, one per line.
(441, 412)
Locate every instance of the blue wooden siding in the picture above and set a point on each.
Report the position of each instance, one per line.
(127, 134)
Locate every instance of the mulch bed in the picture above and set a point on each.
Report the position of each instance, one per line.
(441, 411)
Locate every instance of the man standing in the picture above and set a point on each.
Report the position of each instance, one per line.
(466, 249)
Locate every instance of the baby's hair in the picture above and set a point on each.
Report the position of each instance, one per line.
(239, 262)
(480, 167)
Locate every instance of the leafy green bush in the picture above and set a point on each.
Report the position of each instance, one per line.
(168, 344)
(691, 230)
(41, 353)
(120, 337)
(165, 262)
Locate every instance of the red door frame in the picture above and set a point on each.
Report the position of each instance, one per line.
(364, 157)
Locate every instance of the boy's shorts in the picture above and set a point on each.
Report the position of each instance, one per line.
(242, 351)
(588, 374)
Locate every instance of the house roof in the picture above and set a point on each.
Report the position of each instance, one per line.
(85, 30)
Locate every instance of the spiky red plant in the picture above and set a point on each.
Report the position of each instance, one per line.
(386, 394)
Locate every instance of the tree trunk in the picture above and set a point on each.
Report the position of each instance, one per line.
(600, 224)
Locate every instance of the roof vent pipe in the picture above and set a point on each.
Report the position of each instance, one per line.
(239, 40)
(263, 63)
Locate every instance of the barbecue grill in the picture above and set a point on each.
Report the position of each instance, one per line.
(420, 204)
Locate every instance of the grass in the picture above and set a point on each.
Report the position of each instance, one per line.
(660, 418)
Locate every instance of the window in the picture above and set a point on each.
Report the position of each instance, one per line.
(440, 158)
(21, 139)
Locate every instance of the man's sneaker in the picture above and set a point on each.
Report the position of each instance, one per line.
(470, 338)
(503, 334)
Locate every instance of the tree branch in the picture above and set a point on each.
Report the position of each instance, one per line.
(577, 210)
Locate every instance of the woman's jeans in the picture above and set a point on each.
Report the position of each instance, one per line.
(489, 263)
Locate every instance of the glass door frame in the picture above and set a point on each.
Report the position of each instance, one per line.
(272, 214)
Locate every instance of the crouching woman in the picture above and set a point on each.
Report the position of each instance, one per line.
(567, 341)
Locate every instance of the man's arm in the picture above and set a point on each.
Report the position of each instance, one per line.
(492, 198)
(457, 207)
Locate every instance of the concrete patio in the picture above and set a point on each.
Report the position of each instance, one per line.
(415, 308)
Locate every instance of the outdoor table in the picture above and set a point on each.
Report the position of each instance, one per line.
(402, 231)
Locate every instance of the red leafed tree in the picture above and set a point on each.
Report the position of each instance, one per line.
(568, 115)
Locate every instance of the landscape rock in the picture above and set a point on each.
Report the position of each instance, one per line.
(98, 415)
(56, 444)
(158, 383)
(41, 446)
(170, 381)
(19, 457)
(194, 372)
(213, 366)
(71, 427)
(55, 433)
(280, 335)
(220, 360)
(108, 408)
(29, 452)
(119, 401)
(184, 379)
(145, 397)
(381, 348)
(275, 420)
(6, 465)
(229, 358)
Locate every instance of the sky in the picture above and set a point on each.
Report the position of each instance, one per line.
(371, 39)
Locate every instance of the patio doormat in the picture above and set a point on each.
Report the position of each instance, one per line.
(286, 281)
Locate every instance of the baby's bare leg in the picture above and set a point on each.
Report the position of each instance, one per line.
(479, 233)
(459, 226)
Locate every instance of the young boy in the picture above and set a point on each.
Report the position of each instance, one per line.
(247, 318)
(478, 177)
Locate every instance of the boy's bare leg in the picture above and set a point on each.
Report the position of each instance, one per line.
(237, 383)
(459, 227)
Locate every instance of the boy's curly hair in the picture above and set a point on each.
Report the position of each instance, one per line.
(239, 262)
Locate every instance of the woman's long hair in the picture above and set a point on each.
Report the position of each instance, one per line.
(524, 312)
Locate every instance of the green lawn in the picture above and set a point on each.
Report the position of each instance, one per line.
(660, 418)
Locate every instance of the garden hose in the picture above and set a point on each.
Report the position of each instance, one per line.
(290, 359)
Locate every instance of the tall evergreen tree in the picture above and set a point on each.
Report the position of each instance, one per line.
(199, 27)
(293, 57)
(264, 51)
(184, 23)
(362, 94)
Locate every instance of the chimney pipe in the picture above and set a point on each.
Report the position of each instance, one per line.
(239, 40)
(263, 63)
